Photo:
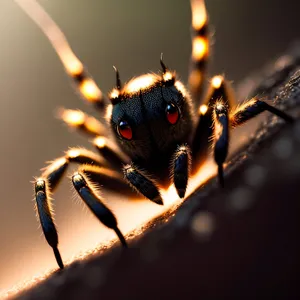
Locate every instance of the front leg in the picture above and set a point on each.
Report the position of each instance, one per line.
(221, 137)
(224, 121)
(220, 89)
(95, 203)
(142, 183)
(181, 168)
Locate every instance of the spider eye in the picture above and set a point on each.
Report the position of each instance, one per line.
(172, 113)
(124, 130)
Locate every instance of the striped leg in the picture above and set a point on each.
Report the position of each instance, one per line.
(110, 180)
(219, 89)
(223, 121)
(142, 183)
(92, 166)
(221, 136)
(92, 199)
(216, 118)
(80, 121)
(251, 109)
(54, 172)
(181, 167)
(84, 187)
(44, 210)
(200, 50)
(73, 66)
(111, 153)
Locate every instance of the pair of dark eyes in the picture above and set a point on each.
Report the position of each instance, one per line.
(172, 115)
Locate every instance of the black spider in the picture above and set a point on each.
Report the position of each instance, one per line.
(161, 136)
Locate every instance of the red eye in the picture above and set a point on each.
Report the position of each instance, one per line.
(125, 130)
(172, 113)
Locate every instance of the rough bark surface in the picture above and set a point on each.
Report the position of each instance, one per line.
(238, 242)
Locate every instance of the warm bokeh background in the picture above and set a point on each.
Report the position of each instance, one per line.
(130, 34)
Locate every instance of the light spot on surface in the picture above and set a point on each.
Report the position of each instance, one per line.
(240, 199)
(203, 225)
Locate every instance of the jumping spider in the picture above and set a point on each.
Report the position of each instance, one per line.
(160, 134)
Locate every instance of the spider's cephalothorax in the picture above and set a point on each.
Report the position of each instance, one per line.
(152, 115)
(162, 131)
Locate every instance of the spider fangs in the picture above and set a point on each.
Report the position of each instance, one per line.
(161, 135)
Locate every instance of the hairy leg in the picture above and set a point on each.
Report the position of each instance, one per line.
(92, 199)
(142, 183)
(200, 50)
(181, 168)
(80, 121)
(73, 66)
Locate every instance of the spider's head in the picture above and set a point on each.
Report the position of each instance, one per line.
(150, 114)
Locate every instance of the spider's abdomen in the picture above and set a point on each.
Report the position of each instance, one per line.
(158, 111)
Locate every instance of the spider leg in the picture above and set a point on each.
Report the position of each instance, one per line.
(216, 119)
(180, 169)
(95, 203)
(111, 180)
(87, 192)
(142, 183)
(43, 205)
(251, 109)
(109, 151)
(52, 175)
(78, 120)
(56, 169)
(219, 89)
(200, 50)
(73, 66)
(221, 137)
(223, 121)
(89, 125)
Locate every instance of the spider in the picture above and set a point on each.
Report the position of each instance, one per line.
(153, 131)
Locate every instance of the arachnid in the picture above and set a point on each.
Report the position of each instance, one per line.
(157, 132)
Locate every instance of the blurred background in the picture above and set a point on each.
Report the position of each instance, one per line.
(131, 35)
